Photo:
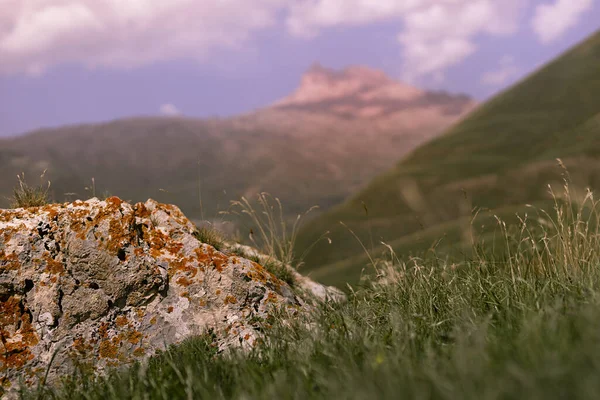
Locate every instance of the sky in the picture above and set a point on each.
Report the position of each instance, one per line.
(79, 61)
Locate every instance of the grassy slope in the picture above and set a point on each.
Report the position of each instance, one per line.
(502, 155)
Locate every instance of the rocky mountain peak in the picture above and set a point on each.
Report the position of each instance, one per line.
(363, 92)
(320, 84)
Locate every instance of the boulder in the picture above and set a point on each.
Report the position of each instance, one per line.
(104, 283)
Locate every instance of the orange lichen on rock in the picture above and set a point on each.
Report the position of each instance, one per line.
(259, 274)
(184, 281)
(219, 260)
(77, 218)
(80, 346)
(114, 201)
(51, 210)
(53, 266)
(173, 247)
(139, 352)
(7, 234)
(271, 298)
(156, 239)
(16, 333)
(185, 265)
(119, 235)
(103, 330)
(134, 337)
(121, 321)
(208, 255)
(9, 261)
(108, 349)
(155, 253)
(7, 215)
(141, 210)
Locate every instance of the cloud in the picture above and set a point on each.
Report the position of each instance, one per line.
(307, 18)
(169, 110)
(551, 21)
(503, 74)
(36, 34)
(434, 34)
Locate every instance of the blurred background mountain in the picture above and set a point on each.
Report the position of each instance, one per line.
(322, 143)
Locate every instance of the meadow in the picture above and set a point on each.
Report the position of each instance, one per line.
(518, 322)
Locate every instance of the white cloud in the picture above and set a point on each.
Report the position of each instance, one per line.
(169, 110)
(435, 34)
(507, 70)
(551, 21)
(307, 17)
(35, 34)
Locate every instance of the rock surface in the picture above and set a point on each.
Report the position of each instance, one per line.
(104, 283)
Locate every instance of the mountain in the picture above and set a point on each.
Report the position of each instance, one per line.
(363, 93)
(338, 130)
(495, 161)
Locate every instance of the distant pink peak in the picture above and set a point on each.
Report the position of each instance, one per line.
(321, 84)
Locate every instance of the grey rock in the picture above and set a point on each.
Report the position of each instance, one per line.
(105, 283)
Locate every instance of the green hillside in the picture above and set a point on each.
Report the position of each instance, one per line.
(172, 159)
(502, 157)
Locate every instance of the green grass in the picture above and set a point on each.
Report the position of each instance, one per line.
(25, 195)
(275, 267)
(273, 237)
(268, 227)
(511, 324)
(502, 155)
(270, 232)
(211, 236)
(282, 272)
